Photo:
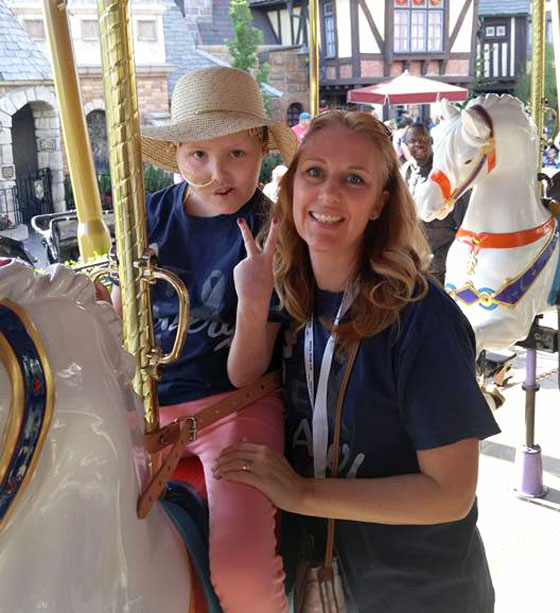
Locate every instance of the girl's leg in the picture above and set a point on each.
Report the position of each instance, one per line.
(246, 571)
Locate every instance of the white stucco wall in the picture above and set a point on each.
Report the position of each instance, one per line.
(463, 40)
(368, 44)
(344, 28)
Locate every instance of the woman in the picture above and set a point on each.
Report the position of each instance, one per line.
(350, 248)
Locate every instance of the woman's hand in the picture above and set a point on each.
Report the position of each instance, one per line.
(253, 276)
(265, 469)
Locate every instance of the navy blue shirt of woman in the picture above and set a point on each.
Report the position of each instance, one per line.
(412, 388)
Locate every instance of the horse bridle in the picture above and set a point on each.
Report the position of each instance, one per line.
(487, 157)
(23, 356)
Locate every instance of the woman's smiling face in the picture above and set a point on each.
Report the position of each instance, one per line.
(337, 191)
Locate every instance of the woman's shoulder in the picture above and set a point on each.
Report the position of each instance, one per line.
(435, 314)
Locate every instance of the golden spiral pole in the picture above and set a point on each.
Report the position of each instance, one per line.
(313, 57)
(538, 66)
(127, 181)
(93, 236)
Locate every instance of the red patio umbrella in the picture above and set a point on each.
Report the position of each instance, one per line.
(407, 89)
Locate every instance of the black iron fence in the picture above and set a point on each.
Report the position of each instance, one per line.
(10, 213)
(34, 194)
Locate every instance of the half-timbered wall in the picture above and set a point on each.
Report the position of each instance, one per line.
(502, 46)
(366, 41)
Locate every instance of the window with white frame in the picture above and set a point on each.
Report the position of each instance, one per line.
(146, 29)
(330, 37)
(35, 28)
(418, 26)
(89, 29)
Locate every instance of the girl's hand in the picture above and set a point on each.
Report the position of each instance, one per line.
(264, 469)
(253, 276)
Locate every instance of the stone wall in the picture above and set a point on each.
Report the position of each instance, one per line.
(288, 73)
(42, 102)
(151, 85)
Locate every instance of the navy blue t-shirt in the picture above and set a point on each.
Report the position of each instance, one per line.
(203, 251)
(412, 388)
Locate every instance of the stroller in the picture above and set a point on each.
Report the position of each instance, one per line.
(59, 233)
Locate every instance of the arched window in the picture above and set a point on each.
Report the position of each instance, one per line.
(293, 113)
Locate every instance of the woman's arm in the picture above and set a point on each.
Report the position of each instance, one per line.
(254, 337)
(443, 490)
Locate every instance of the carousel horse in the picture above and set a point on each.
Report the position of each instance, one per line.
(71, 459)
(503, 267)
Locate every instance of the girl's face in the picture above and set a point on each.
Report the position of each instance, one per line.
(337, 190)
(230, 165)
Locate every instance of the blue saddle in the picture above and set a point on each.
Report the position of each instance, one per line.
(189, 514)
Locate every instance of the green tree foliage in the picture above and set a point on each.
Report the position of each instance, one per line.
(523, 83)
(244, 45)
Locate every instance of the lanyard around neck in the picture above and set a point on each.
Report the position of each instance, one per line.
(320, 425)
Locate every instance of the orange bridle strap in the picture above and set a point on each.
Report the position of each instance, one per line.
(487, 157)
(505, 240)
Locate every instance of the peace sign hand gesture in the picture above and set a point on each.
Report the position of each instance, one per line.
(253, 276)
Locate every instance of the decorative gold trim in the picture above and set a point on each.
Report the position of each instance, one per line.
(49, 405)
(15, 416)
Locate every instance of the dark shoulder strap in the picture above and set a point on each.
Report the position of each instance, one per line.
(336, 443)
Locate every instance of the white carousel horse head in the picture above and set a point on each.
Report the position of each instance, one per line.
(71, 540)
(501, 267)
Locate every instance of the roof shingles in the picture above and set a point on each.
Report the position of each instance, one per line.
(20, 58)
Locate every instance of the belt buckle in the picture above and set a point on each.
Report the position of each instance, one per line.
(192, 427)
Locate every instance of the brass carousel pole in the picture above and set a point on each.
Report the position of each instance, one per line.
(538, 65)
(93, 236)
(555, 5)
(313, 57)
(123, 131)
(528, 458)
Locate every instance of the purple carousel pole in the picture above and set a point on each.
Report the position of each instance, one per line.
(528, 461)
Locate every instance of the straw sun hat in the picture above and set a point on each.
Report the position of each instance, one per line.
(209, 103)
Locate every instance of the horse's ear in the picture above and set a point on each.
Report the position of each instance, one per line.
(447, 110)
(473, 128)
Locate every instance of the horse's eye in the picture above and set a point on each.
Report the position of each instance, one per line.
(467, 161)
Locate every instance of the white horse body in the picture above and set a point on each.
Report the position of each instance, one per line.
(504, 202)
(73, 543)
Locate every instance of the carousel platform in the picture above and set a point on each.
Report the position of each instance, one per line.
(522, 535)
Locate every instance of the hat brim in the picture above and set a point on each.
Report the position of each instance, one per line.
(157, 140)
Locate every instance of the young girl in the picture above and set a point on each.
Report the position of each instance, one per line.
(217, 137)
(350, 267)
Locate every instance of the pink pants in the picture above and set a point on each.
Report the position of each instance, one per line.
(246, 572)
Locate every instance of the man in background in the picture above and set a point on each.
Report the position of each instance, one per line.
(439, 232)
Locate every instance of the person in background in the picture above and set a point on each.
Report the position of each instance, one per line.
(270, 190)
(398, 135)
(439, 232)
(301, 127)
(550, 157)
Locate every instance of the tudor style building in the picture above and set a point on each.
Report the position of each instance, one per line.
(367, 41)
(502, 44)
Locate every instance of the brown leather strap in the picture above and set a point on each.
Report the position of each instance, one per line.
(185, 430)
(329, 549)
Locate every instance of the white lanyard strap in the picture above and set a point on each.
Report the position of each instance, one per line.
(320, 425)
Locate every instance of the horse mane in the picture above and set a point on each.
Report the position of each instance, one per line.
(491, 101)
(20, 283)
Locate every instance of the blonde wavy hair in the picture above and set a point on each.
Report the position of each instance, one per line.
(392, 269)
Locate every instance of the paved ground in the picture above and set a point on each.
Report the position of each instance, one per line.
(522, 536)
